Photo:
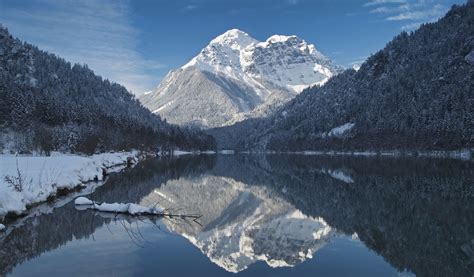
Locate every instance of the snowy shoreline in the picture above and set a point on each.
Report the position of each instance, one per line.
(459, 154)
(26, 181)
(463, 154)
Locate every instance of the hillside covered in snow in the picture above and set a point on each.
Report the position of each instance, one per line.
(29, 180)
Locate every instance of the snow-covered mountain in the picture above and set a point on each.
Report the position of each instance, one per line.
(236, 75)
(241, 224)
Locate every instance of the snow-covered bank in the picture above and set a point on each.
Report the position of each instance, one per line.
(26, 180)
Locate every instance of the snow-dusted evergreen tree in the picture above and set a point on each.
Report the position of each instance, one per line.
(417, 92)
(54, 105)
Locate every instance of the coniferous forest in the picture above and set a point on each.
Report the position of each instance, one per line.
(50, 104)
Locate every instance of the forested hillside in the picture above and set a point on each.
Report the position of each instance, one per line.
(49, 104)
(416, 93)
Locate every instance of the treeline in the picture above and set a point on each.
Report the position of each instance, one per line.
(416, 93)
(46, 104)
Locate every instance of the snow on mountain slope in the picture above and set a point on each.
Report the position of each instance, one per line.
(236, 73)
(288, 62)
(241, 224)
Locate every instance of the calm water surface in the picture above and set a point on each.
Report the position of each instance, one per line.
(262, 216)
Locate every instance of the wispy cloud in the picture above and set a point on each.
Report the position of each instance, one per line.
(429, 13)
(98, 33)
(412, 12)
(378, 2)
(189, 7)
(394, 9)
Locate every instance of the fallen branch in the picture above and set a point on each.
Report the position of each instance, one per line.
(129, 208)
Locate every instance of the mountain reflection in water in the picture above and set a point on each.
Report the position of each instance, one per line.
(418, 214)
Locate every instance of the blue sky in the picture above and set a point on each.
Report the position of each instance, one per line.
(136, 43)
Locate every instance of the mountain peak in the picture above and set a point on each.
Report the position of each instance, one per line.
(234, 38)
(223, 52)
(234, 32)
(235, 73)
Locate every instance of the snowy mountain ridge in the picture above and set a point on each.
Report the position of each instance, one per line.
(234, 75)
(285, 61)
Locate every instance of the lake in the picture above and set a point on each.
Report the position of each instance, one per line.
(274, 215)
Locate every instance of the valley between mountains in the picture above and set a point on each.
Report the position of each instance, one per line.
(260, 153)
(243, 94)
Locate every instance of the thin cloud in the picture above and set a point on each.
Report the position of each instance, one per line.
(413, 13)
(189, 7)
(396, 9)
(97, 33)
(379, 2)
(435, 11)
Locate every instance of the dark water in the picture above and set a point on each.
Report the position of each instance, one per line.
(263, 216)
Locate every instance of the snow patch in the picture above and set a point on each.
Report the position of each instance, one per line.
(470, 58)
(279, 38)
(163, 107)
(83, 201)
(2, 227)
(340, 175)
(339, 130)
